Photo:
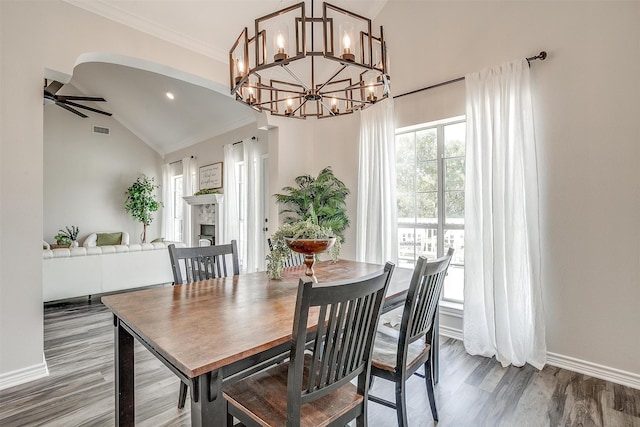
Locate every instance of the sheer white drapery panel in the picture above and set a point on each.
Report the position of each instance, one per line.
(167, 201)
(231, 227)
(253, 167)
(188, 188)
(242, 201)
(503, 311)
(377, 224)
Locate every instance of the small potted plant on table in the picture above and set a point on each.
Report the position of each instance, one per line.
(305, 237)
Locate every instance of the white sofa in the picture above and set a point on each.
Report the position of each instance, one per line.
(75, 272)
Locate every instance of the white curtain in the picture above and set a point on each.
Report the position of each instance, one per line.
(377, 225)
(242, 202)
(253, 247)
(503, 312)
(188, 188)
(231, 228)
(167, 201)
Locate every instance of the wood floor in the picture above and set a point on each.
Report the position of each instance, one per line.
(473, 391)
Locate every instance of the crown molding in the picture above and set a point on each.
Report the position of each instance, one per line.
(113, 12)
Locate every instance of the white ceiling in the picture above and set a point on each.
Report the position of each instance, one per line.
(137, 97)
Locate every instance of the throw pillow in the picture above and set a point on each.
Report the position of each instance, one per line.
(158, 240)
(108, 239)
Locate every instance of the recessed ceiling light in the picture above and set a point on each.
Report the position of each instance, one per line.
(170, 96)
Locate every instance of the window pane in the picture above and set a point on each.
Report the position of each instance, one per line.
(454, 138)
(427, 176)
(454, 174)
(427, 207)
(405, 160)
(426, 144)
(454, 281)
(406, 208)
(454, 207)
(406, 247)
(427, 243)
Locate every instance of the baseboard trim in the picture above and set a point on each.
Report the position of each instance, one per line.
(606, 373)
(595, 370)
(24, 375)
(449, 332)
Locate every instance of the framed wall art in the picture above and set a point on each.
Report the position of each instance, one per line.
(211, 176)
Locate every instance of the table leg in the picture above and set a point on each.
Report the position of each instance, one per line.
(124, 375)
(207, 403)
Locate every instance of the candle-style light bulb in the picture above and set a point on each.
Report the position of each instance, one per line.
(289, 109)
(346, 48)
(334, 105)
(372, 96)
(239, 70)
(280, 45)
(252, 98)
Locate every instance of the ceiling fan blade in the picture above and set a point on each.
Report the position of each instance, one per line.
(80, 98)
(66, 107)
(87, 108)
(53, 87)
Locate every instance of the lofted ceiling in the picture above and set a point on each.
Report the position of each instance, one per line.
(200, 110)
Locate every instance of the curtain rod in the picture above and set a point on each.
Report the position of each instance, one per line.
(178, 161)
(541, 56)
(240, 142)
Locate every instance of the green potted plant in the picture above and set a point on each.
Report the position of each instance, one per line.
(67, 237)
(141, 202)
(323, 196)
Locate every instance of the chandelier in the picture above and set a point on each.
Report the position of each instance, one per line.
(299, 66)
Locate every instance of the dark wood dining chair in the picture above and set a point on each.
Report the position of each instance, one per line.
(398, 354)
(294, 260)
(314, 387)
(202, 263)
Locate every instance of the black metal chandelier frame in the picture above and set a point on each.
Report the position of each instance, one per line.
(336, 95)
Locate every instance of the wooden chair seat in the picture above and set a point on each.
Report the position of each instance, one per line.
(385, 349)
(263, 397)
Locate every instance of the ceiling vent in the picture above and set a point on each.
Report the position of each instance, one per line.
(101, 130)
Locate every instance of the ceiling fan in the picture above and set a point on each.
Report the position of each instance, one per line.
(66, 101)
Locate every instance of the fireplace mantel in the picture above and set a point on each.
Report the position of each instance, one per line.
(206, 209)
(205, 199)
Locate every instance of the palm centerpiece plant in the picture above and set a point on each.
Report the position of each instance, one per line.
(315, 220)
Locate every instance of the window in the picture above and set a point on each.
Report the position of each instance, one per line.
(430, 184)
(242, 209)
(178, 208)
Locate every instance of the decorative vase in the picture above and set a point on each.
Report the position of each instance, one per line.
(75, 244)
(309, 248)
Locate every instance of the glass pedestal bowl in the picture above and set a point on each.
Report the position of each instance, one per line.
(309, 248)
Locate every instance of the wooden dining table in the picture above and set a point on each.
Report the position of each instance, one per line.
(210, 331)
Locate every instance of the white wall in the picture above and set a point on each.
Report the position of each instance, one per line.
(36, 35)
(588, 134)
(86, 175)
(586, 123)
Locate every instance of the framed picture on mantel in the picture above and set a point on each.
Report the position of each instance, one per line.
(211, 176)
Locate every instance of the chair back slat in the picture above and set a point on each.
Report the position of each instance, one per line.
(422, 302)
(347, 315)
(203, 262)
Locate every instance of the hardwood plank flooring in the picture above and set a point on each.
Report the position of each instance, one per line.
(473, 391)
